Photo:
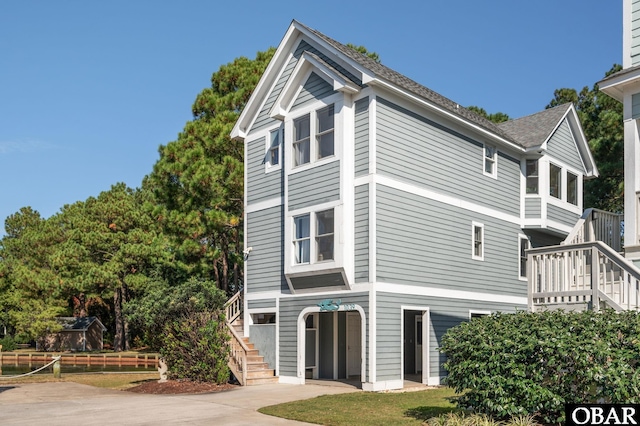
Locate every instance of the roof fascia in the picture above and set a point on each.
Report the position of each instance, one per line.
(615, 86)
(442, 111)
(268, 79)
(307, 64)
(581, 142)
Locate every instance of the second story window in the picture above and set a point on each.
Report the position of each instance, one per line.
(324, 132)
(301, 140)
(490, 163)
(324, 232)
(302, 239)
(532, 176)
(524, 245)
(572, 189)
(555, 181)
(273, 156)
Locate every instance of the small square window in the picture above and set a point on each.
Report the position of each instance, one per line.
(532, 176)
(490, 165)
(301, 141)
(555, 181)
(572, 189)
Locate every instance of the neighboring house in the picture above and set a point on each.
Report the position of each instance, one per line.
(380, 214)
(77, 334)
(624, 86)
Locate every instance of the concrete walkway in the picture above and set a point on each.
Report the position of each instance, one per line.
(69, 403)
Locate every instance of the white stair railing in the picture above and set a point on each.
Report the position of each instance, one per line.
(237, 348)
(582, 273)
(598, 225)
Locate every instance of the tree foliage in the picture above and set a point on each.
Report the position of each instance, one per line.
(601, 118)
(535, 363)
(498, 117)
(365, 52)
(198, 181)
(186, 323)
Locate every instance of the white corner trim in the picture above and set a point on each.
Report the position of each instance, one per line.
(290, 380)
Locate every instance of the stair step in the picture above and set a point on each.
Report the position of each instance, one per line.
(262, 381)
(256, 366)
(260, 374)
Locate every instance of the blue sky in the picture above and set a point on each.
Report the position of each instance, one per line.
(89, 90)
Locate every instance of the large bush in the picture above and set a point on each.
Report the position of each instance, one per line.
(186, 323)
(526, 363)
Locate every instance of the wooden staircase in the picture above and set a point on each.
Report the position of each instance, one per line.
(257, 371)
(245, 360)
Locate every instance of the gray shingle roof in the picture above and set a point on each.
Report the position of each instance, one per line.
(406, 83)
(534, 129)
(76, 323)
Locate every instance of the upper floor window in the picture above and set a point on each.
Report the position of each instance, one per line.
(324, 134)
(273, 155)
(572, 188)
(532, 176)
(555, 181)
(301, 140)
(477, 241)
(323, 235)
(321, 124)
(490, 161)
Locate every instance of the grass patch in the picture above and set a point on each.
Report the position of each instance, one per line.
(117, 381)
(367, 408)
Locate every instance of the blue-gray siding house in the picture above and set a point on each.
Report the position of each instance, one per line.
(380, 213)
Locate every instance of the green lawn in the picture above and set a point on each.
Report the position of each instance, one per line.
(109, 380)
(367, 408)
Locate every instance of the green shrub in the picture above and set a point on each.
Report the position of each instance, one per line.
(461, 419)
(524, 364)
(8, 344)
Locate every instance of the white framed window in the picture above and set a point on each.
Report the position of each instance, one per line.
(555, 181)
(320, 124)
(473, 313)
(273, 155)
(324, 132)
(532, 176)
(316, 226)
(477, 241)
(572, 188)
(490, 161)
(301, 140)
(302, 238)
(523, 245)
(324, 235)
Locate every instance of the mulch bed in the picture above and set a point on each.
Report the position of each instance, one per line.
(179, 387)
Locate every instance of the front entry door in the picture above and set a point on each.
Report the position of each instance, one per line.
(354, 345)
(418, 340)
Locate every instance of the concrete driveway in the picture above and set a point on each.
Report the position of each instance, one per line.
(67, 403)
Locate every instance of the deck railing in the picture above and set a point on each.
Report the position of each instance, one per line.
(598, 225)
(234, 307)
(588, 273)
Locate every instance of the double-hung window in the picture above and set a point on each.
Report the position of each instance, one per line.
(477, 241)
(523, 246)
(319, 227)
(324, 132)
(273, 154)
(301, 140)
(302, 239)
(555, 181)
(572, 188)
(532, 176)
(490, 161)
(320, 124)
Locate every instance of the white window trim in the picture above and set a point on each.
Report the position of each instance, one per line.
(314, 266)
(562, 193)
(494, 169)
(313, 135)
(566, 178)
(475, 225)
(520, 238)
(268, 167)
(532, 194)
(478, 312)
